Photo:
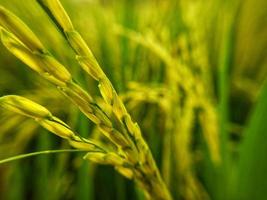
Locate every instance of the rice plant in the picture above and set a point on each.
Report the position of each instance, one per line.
(157, 100)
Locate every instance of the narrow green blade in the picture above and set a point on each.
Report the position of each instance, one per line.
(251, 181)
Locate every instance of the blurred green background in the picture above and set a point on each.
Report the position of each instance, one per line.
(192, 73)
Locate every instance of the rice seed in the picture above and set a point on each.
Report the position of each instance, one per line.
(24, 106)
(82, 145)
(105, 158)
(12, 23)
(126, 172)
(89, 64)
(78, 44)
(55, 68)
(106, 90)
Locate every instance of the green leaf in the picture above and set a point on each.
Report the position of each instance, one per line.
(251, 182)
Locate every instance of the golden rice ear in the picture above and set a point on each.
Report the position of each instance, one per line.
(12, 23)
(57, 13)
(132, 150)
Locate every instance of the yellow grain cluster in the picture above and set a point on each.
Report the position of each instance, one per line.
(187, 92)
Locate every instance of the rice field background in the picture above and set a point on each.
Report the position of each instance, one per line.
(133, 99)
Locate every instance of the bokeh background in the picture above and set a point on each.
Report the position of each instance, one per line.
(151, 50)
